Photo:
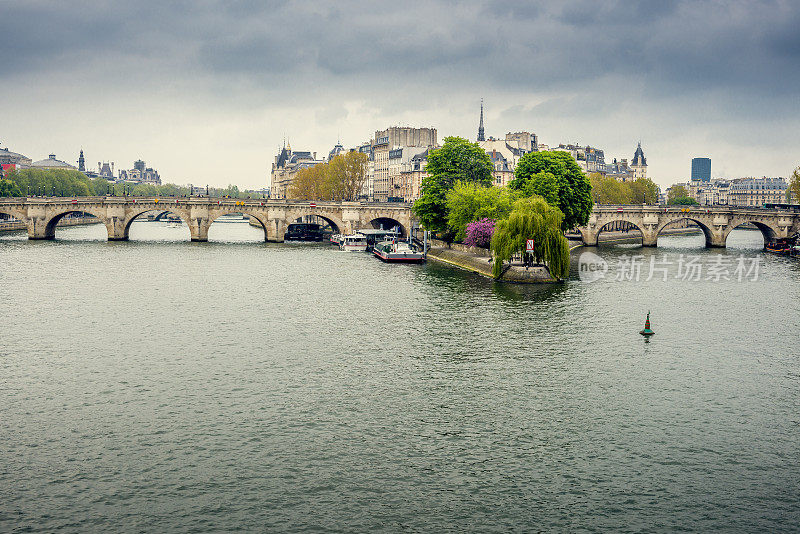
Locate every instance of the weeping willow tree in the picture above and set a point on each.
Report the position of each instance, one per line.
(532, 218)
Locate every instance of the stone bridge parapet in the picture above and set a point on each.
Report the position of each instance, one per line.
(41, 215)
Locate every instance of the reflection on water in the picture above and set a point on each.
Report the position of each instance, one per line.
(163, 385)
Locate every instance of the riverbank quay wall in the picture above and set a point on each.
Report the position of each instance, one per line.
(41, 215)
(16, 226)
(478, 260)
(716, 222)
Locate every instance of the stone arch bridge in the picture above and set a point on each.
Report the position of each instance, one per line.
(716, 222)
(41, 215)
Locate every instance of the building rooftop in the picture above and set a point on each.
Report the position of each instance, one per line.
(52, 163)
(7, 156)
(638, 157)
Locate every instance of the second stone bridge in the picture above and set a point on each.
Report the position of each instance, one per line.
(716, 222)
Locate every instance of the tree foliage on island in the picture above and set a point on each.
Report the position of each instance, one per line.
(469, 202)
(608, 190)
(679, 195)
(340, 179)
(543, 172)
(457, 160)
(532, 218)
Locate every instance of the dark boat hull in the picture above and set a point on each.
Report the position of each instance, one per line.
(394, 258)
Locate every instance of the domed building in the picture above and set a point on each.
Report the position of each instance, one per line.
(337, 150)
(52, 163)
(12, 158)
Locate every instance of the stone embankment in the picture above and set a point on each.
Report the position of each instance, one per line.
(478, 260)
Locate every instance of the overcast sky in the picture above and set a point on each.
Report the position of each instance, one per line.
(205, 91)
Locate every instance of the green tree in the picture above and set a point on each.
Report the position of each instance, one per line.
(608, 190)
(457, 159)
(9, 189)
(543, 184)
(574, 189)
(675, 192)
(469, 202)
(339, 179)
(532, 218)
(683, 201)
(794, 185)
(643, 191)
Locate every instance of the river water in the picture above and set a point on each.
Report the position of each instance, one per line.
(159, 385)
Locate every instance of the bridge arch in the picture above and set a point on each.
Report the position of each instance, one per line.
(602, 226)
(133, 215)
(768, 231)
(10, 212)
(260, 217)
(51, 222)
(335, 222)
(708, 233)
(387, 223)
(160, 215)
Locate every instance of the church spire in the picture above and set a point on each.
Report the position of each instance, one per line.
(81, 162)
(481, 136)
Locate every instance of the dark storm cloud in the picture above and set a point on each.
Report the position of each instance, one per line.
(669, 46)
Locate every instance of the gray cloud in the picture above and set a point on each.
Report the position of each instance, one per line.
(586, 63)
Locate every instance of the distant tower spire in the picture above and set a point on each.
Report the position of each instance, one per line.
(481, 136)
(81, 162)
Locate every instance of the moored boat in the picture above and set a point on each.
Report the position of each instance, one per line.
(780, 246)
(354, 243)
(303, 232)
(376, 236)
(397, 252)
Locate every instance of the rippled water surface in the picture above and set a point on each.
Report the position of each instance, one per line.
(159, 385)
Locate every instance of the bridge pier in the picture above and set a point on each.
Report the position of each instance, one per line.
(649, 240)
(38, 229)
(199, 230)
(117, 229)
(715, 240)
(589, 237)
(276, 230)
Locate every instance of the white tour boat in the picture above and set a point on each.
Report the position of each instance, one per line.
(354, 243)
(397, 251)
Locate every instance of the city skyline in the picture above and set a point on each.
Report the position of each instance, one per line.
(212, 105)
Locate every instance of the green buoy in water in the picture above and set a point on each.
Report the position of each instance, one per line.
(647, 332)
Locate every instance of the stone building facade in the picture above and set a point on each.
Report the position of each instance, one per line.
(757, 191)
(386, 141)
(140, 173)
(285, 167)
